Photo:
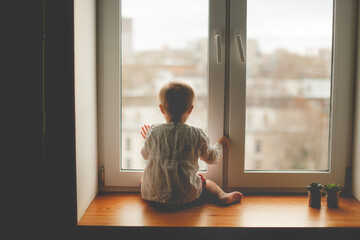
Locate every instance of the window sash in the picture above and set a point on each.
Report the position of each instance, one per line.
(109, 95)
(342, 105)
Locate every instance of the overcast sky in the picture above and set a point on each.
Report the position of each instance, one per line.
(293, 24)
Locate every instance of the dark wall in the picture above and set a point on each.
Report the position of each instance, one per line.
(38, 75)
(59, 199)
(21, 114)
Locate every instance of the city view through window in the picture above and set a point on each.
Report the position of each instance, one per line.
(162, 41)
(288, 84)
(288, 80)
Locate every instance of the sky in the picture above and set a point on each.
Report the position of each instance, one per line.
(297, 25)
(166, 22)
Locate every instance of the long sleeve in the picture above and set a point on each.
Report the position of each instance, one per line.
(145, 151)
(210, 154)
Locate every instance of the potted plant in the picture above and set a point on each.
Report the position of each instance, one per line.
(332, 194)
(314, 194)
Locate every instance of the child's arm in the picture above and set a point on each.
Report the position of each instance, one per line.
(213, 154)
(145, 148)
(145, 152)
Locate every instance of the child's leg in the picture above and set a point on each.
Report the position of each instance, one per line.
(226, 198)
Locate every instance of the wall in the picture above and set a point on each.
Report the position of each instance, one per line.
(85, 103)
(356, 143)
(21, 116)
(58, 173)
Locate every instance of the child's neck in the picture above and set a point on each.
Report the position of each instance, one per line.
(175, 122)
(169, 120)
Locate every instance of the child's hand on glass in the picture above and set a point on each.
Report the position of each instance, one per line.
(225, 142)
(144, 130)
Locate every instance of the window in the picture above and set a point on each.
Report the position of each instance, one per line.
(128, 163)
(288, 75)
(257, 146)
(128, 143)
(289, 84)
(141, 49)
(175, 50)
(285, 110)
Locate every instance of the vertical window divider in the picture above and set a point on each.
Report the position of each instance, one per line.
(216, 76)
(226, 92)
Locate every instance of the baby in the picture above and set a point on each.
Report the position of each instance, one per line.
(173, 149)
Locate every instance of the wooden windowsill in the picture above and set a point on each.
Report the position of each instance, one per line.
(282, 211)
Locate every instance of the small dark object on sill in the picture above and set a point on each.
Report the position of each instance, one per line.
(314, 194)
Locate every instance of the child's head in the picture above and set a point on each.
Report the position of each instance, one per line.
(176, 101)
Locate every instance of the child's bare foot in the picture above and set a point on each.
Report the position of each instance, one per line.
(229, 198)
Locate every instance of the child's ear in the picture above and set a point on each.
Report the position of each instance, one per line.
(161, 109)
(190, 109)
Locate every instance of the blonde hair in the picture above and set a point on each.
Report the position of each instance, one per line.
(176, 98)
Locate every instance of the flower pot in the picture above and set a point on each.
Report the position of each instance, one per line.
(332, 199)
(314, 198)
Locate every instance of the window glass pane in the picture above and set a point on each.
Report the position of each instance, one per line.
(162, 41)
(288, 84)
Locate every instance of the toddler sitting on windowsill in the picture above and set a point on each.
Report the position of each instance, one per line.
(173, 149)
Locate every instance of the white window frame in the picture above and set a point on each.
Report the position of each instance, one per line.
(109, 102)
(229, 174)
(341, 115)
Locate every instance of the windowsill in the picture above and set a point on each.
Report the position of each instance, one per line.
(270, 211)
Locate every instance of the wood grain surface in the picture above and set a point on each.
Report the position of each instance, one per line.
(129, 210)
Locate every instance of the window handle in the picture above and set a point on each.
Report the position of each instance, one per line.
(240, 47)
(218, 46)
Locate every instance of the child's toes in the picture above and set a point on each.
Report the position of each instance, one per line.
(236, 196)
(232, 197)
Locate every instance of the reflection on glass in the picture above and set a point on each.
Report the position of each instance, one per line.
(288, 83)
(162, 41)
